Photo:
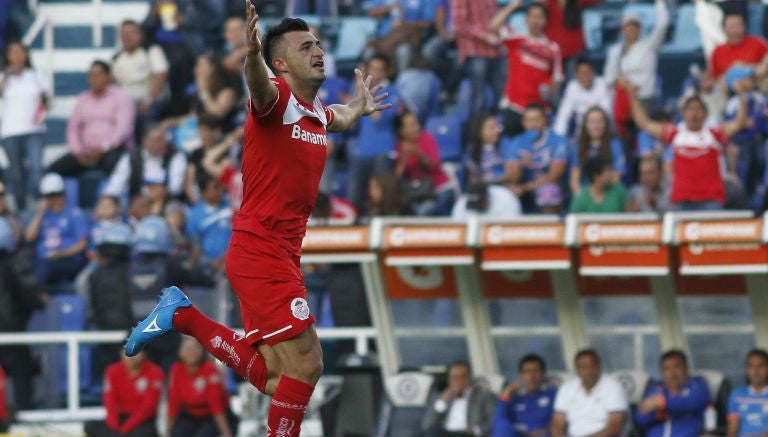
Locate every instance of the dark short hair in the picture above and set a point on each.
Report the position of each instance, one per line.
(536, 107)
(583, 60)
(104, 66)
(130, 23)
(587, 352)
(695, 98)
(381, 57)
(757, 352)
(203, 180)
(532, 358)
(459, 363)
(674, 353)
(733, 14)
(595, 166)
(274, 35)
(656, 160)
(400, 119)
(539, 5)
(7, 49)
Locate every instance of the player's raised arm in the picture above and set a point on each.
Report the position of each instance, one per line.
(262, 89)
(364, 102)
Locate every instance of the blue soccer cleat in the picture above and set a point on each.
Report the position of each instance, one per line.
(159, 321)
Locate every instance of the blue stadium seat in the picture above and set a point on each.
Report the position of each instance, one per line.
(646, 12)
(70, 84)
(592, 26)
(464, 99)
(687, 37)
(57, 130)
(447, 131)
(72, 37)
(332, 90)
(353, 36)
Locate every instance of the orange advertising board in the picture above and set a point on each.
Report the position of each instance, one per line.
(420, 282)
(524, 247)
(515, 235)
(516, 284)
(335, 239)
(746, 230)
(622, 249)
(425, 237)
(620, 233)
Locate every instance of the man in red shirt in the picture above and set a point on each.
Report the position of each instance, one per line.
(534, 62)
(283, 159)
(739, 48)
(132, 390)
(479, 51)
(698, 182)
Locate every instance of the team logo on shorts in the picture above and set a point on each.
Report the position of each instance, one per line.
(300, 309)
(216, 342)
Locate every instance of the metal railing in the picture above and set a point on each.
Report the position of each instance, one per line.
(73, 340)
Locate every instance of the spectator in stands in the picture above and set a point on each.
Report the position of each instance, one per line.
(675, 405)
(209, 225)
(20, 297)
(419, 88)
(386, 197)
(198, 402)
(209, 132)
(440, 49)
(164, 26)
(525, 410)
(697, 180)
(594, 404)
(25, 94)
(596, 139)
(749, 141)
(564, 26)
(427, 187)
(108, 289)
(401, 25)
(651, 194)
(154, 157)
(235, 48)
(132, 391)
(747, 413)
(332, 210)
(583, 92)
(217, 91)
(549, 199)
(703, 84)
(61, 233)
(226, 168)
(100, 127)
(485, 163)
(373, 149)
(138, 209)
(175, 215)
(604, 194)
(739, 48)
(462, 409)
(535, 158)
(479, 51)
(142, 71)
(534, 63)
(485, 200)
(155, 186)
(636, 59)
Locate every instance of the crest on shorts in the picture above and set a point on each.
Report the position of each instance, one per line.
(300, 309)
(216, 342)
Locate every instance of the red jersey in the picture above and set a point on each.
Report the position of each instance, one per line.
(696, 174)
(283, 159)
(3, 386)
(532, 62)
(200, 394)
(750, 51)
(138, 396)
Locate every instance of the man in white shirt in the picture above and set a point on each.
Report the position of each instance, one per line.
(486, 201)
(141, 71)
(592, 405)
(462, 410)
(583, 92)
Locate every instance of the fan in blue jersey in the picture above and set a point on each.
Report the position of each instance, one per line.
(525, 410)
(748, 404)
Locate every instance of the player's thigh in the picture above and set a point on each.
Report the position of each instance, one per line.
(301, 356)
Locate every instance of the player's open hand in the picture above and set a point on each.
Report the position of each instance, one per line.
(254, 34)
(367, 98)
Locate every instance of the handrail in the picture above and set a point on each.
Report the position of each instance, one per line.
(73, 340)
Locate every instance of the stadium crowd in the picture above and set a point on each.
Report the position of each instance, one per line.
(487, 119)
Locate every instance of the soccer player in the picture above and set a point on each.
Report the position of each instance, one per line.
(283, 159)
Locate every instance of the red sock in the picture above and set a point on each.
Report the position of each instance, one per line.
(223, 343)
(289, 404)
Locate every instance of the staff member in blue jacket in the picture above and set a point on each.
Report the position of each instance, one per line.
(674, 406)
(526, 411)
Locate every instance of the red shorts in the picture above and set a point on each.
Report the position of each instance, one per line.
(268, 281)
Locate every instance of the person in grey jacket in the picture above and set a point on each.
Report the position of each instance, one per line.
(462, 409)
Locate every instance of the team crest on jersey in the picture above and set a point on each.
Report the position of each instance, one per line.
(216, 342)
(199, 383)
(300, 309)
(543, 402)
(141, 385)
